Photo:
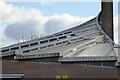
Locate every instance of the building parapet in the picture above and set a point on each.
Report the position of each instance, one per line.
(33, 56)
(94, 58)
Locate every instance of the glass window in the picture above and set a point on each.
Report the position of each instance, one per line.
(26, 51)
(50, 45)
(25, 46)
(68, 32)
(58, 34)
(34, 49)
(73, 39)
(44, 41)
(42, 47)
(32, 44)
(53, 39)
(14, 48)
(58, 43)
(62, 37)
(5, 50)
(48, 37)
(65, 41)
(72, 35)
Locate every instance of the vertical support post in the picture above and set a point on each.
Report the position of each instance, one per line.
(107, 17)
(118, 49)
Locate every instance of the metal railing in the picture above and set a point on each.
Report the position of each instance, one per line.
(95, 58)
(37, 56)
(7, 54)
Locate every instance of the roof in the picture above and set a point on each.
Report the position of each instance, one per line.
(89, 40)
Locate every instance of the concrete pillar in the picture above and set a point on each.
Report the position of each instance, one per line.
(107, 17)
(118, 49)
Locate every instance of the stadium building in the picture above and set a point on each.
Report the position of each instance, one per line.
(88, 47)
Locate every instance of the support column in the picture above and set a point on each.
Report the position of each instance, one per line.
(107, 17)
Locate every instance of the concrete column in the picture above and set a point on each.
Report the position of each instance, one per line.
(107, 17)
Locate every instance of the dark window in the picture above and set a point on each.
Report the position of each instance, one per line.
(50, 45)
(53, 39)
(58, 34)
(44, 41)
(65, 41)
(68, 43)
(32, 44)
(48, 36)
(42, 47)
(80, 38)
(72, 35)
(26, 51)
(58, 43)
(73, 39)
(62, 37)
(14, 48)
(34, 49)
(5, 50)
(68, 32)
(25, 46)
